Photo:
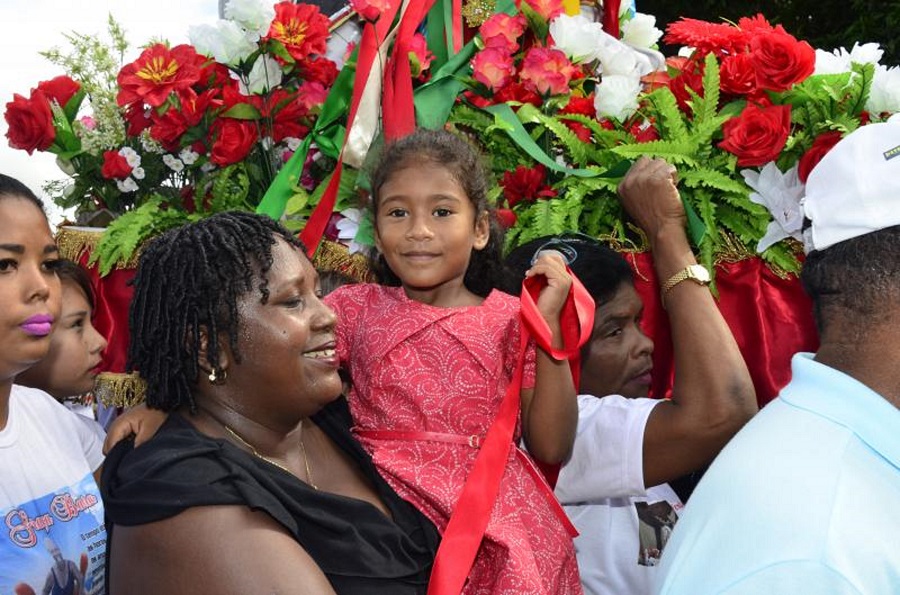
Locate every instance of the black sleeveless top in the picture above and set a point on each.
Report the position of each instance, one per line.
(181, 468)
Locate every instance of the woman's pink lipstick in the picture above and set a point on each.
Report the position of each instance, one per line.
(39, 325)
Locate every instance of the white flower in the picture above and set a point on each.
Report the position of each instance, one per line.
(226, 42)
(138, 173)
(885, 93)
(576, 37)
(640, 31)
(616, 96)
(127, 185)
(840, 59)
(617, 58)
(867, 53)
(173, 163)
(348, 227)
(781, 194)
(188, 157)
(253, 15)
(265, 75)
(131, 156)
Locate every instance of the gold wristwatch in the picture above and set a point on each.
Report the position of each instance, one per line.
(695, 272)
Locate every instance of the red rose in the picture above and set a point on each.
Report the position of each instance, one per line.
(115, 166)
(738, 76)
(137, 119)
(780, 60)
(813, 156)
(60, 88)
(526, 184)
(30, 122)
(689, 78)
(583, 106)
(517, 92)
(233, 140)
(758, 135)
(321, 70)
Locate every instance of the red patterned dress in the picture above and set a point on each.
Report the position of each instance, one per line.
(417, 367)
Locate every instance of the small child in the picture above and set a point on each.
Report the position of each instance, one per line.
(69, 369)
(431, 353)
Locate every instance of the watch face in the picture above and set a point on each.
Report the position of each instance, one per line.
(700, 273)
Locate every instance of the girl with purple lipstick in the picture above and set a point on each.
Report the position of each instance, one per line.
(48, 497)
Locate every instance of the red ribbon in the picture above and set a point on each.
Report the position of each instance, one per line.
(373, 35)
(611, 17)
(468, 522)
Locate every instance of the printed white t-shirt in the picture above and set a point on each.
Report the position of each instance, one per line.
(53, 537)
(623, 526)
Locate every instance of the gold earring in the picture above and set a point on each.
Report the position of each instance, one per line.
(215, 378)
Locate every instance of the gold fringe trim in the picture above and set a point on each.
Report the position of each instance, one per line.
(335, 257)
(116, 389)
(75, 242)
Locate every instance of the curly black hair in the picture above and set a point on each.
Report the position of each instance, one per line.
(189, 279)
(466, 165)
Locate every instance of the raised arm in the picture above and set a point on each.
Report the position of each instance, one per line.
(223, 550)
(712, 396)
(550, 410)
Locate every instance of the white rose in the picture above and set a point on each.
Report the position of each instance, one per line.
(266, 74)
(616, 58)
(138, 173)
(253, 15)
(225, 42)
(576, 37)
(885, 93)
(640, 31)
(616, 96)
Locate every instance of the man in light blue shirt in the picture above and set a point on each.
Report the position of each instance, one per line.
(804, 499)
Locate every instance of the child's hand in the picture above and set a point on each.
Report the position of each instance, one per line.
(140, 422)
(553, 297)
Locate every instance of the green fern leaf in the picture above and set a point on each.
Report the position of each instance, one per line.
(675, 152)
(669, 119)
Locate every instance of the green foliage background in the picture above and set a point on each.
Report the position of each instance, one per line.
(825, 24)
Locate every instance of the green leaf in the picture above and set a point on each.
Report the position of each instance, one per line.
(242, 111)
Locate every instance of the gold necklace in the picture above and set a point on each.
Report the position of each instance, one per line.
(255, 452)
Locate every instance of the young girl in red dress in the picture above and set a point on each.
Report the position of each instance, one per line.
(431, 352)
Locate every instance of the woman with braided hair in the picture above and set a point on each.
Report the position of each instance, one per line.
(254, 483)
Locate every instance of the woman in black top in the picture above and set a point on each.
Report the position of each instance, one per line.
(254, 483)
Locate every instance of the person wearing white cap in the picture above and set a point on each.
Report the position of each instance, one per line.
(803, 499)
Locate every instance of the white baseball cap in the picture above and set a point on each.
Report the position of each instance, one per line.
(855, 188)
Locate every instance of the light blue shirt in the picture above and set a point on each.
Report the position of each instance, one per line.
(805, 499)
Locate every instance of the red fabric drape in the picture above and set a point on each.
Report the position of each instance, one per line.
(112, 296)
(771, 319)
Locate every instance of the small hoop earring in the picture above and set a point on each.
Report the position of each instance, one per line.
(215, 378)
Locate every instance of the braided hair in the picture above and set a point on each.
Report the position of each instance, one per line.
(189, 279)
(466, 165)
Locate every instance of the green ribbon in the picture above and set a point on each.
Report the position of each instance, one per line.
(326, 133)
